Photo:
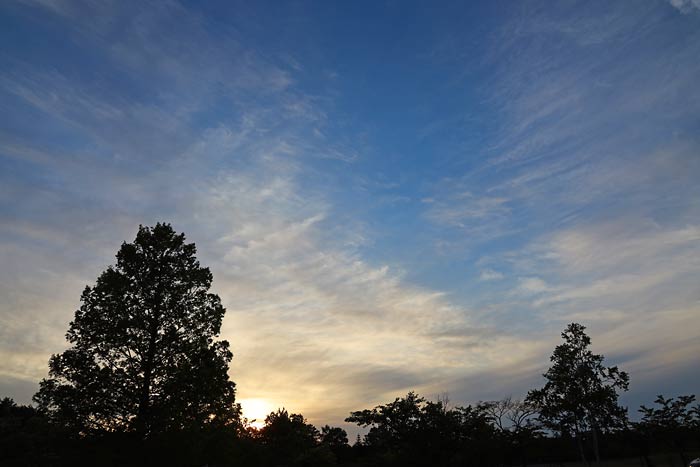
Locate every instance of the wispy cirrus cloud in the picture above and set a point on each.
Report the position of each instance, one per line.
(564, 189)
(490, 275)
(306, 309)
(596, 155)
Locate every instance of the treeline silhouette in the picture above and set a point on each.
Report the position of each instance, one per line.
(145, 382)
(408, 431)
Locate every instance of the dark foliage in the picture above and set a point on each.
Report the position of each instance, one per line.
(288, 438)
(672, 424)
(413, 431)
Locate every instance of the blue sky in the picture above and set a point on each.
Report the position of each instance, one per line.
(390, 195)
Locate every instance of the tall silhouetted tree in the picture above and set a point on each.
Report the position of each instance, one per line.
(144, 357)
(581, 394)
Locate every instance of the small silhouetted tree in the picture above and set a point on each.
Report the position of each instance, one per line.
(336, 440)
(414, 431)
(581, 394)
(515, 421)
(393, 425)
(335, 437)
(144, 355)
(671, 421)
(25, 436)
(288, 436)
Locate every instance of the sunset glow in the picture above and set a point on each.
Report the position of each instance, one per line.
(255, 411)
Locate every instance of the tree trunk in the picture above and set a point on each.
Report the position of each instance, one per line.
(523, 457)
(581, 450)
(645, 442)
(596, 448)
(143, 423)
(680, 450)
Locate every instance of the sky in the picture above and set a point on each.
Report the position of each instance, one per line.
(391, 195)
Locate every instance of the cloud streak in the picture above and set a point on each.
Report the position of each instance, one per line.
(575, 201)
(596, 156)
(685, 6)
(308, 314)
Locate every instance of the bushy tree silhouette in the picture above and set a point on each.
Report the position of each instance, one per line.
(289, 439)
(144, 357)
(414, 431)
(334, 437)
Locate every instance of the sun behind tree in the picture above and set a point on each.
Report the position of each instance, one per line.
(144, 357)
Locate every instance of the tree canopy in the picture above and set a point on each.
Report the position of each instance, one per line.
(144, 357)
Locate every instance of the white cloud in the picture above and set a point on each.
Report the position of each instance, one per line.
(313, 324)
(532, 285)
(467, 208)
(686, 6)
(490, 275)
(625, 245)
(632, 283)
